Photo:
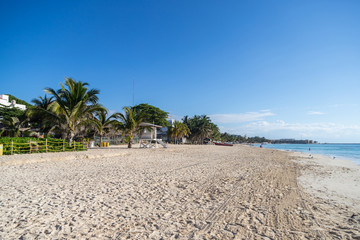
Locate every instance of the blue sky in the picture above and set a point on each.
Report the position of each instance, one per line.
(279, 69)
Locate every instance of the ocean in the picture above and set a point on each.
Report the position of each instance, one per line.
(344, 151)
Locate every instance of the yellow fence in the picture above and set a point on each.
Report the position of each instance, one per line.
(39, 146)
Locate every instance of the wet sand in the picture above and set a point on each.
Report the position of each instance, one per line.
(183, 192)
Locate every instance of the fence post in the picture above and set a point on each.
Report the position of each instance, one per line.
(74, 145)
(46, 147)
(30, 146)
(83, 145)
(63, 145)
(12, 147)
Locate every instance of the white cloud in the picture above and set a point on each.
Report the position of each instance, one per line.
(315, 113)
(176, 117)
(324, 132)
(240, 117)
(281, 125)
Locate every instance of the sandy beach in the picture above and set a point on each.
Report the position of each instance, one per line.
(183, 192)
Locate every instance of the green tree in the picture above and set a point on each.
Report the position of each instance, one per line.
(204, 128)
(39, 114)
(129, 123)
(178, 130)
(215, 132)
(42, 102)
(13, 126)
(102, 123)
(153, 114)
(74, 104)
(200, 127)
(11, 119)
(7, 112)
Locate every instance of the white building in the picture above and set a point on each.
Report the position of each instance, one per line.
(4, 101)
(150, 132)
(162, 133)
(148, 137)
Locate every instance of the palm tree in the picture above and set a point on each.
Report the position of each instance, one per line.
(13, 126)
(178, 130)
(204, 128)
(40, 115)
(73, 105)
(102, 123)
(42, 102)
(215, 132)
(130, 123)
(200, 127)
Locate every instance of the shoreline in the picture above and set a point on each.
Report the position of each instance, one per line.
(336, 180)
(352, 159)
(182, 192)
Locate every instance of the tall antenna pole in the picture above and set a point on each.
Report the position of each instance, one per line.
(133, 92)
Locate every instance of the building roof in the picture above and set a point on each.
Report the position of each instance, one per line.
(143, 124)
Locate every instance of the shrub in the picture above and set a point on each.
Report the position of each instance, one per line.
(23, 145)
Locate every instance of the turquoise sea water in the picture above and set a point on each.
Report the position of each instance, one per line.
(344, 151)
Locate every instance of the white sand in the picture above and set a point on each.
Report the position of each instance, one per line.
(337, 180)
(183, 192)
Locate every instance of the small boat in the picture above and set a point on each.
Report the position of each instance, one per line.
(223, 144)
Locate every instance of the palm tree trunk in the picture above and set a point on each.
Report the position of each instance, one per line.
(63, 135)
(130, 142)
(71, 138)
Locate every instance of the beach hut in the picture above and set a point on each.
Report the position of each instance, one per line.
(148, 136)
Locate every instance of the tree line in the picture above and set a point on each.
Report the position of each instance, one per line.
(74, 112)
